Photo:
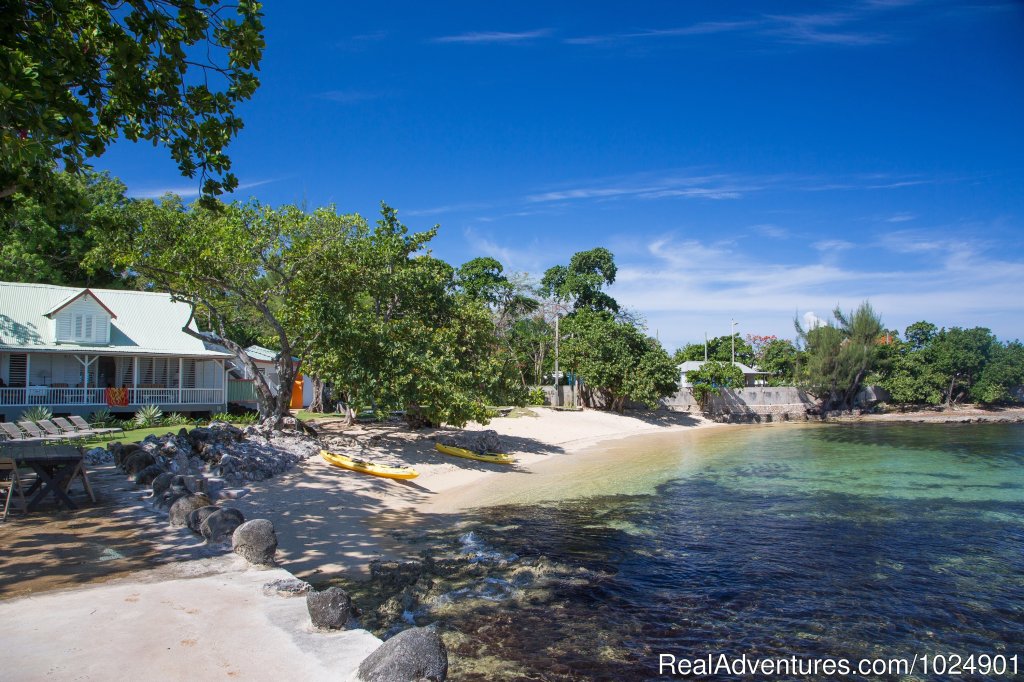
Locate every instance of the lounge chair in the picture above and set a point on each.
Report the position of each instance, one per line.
(52, 429)
(35, 432)
(81, 424)
(15, 434)
(68, 427)
(10, 482)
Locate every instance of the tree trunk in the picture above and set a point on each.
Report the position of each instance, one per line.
(317, 403)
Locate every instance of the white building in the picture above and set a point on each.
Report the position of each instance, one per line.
(78, 350)
(751, 375)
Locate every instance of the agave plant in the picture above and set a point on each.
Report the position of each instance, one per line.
(36, 413)
(101, 417)
(175, 419)
(150, 415)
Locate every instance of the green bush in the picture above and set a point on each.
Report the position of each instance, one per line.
(243, 418)
(176, 419)
(148, 416)
(537, 396)
(34, 414)
(101, 417)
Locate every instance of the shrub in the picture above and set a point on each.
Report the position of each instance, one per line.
(176, 419)
(101, 417)
(34, 414)
(537, 396)
(242, 418)
(150, 415)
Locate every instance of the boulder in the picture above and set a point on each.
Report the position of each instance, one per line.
(161, 483)
(286, 587)
(256, 542)
(477, 441)
(219, 525)
(167, 498)
(137, 461)
(149, 474)
(195, 518)
(330, 609)
(411, 655)
(183, 506)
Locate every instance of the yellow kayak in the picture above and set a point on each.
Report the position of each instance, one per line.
(493, 457)
(365, 467)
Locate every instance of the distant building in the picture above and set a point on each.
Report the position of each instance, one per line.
(241, 390)
(751, 375)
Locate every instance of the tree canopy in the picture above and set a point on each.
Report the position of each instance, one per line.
(617, 362)
(77, 74)
(840, 356)
(582, 281)
(711, 377)
(286, 268)
(54, 241)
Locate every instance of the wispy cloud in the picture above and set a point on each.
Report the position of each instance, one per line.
(479, 37)
(189, 191)
(362, 41)
(685, 286)
(832, 245)
(449, 208)
(900, 218)
(867, 23)
(645, 187)
(769, 230)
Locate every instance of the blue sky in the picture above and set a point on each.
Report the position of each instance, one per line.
(753, 160)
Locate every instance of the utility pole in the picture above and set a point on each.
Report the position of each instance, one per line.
(732, 336)
(556, 401)
(705, 346)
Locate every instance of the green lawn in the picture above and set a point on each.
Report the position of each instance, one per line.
(136, 435)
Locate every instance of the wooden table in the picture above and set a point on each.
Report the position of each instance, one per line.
(55, 466)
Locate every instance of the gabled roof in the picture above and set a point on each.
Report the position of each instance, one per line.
(74, 297)
(145, 323)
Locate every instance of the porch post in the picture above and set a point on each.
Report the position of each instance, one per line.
(135, 379)
(28, 373)
(181, 367)
(85, 380)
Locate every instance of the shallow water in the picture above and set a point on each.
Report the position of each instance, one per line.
(850, 541)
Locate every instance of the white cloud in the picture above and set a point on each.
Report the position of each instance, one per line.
(480, 37)
(189, 191)
(832, 245)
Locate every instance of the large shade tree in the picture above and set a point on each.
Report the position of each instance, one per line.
(285, 269)
(77, 74)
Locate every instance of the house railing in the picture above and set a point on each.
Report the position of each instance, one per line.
(53, 396)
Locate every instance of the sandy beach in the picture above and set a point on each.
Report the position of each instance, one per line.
(201, 609)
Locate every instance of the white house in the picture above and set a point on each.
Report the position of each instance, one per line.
(78, 350)
(751, 375)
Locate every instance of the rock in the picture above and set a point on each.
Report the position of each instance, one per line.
(149, 474)
(411, 655)
(330, 609)
(183, 506)
(394, 575)
(234, 493)
(256, 542)
(286, 587)
(166, 499)
(221, 524)
(98, 456)
(477, 441)
(164, 481)
(196, 517)
(137, 461)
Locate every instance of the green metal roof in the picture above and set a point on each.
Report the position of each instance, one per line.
(146, 323)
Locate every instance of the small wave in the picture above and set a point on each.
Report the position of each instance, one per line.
(480, 552)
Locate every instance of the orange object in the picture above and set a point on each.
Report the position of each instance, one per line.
(297, 393)
(116, 397)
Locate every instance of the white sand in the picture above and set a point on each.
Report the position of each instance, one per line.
(208, 618)
(331, 521)
(171, 624)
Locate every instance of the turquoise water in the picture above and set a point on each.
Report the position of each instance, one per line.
(846, 541)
